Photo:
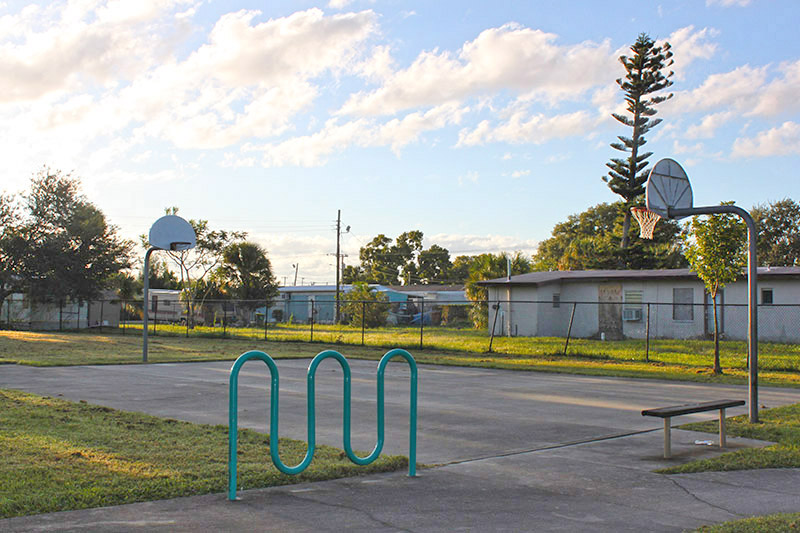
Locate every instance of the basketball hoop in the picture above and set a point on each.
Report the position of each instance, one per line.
(647, 221)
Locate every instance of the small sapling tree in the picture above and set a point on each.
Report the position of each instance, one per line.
(715, 248)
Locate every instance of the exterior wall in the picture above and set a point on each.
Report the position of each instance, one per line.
(586, 321)
(532, 312)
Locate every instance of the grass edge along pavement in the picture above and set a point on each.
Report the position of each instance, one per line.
(776, 523)
(60, 455)
(780, 425)
(599, 358)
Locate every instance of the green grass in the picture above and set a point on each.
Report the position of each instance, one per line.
(669, 359)
(59, 455)
(733, 354)
(777, 523)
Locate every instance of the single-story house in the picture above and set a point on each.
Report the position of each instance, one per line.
(615, 304)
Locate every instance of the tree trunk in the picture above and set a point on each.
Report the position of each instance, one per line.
(626, 226)
(717, 366)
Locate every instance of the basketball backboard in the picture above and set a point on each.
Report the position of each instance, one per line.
(668, 188)
(171, 232)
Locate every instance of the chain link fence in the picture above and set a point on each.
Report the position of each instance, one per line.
(646, 331)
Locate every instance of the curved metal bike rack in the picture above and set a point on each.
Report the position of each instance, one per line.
(233, 415)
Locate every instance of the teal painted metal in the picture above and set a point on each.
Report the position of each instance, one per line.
(233, 412)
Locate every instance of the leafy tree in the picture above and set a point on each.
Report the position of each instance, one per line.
(591, 241)
(389, 263)
(644, 77)
(434, 265)
(73, 251)
(716, 250)
(778, 226)
(13, 248)
(247, 271)
(161, 277)
(378, 261)
(459, 270)
(352, 274)
(490, 266)
(365, 303)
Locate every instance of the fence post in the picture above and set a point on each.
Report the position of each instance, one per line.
(102, 303)
(363, 316)
(78, 317)
(266, 319)
(496, 307)
(569, 329)
(61, 315)
(187, 319)
(421, 320)
(155, 315)
(647, 336)
(224, 318)
(312, 321)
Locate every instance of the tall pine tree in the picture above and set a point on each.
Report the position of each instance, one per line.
(644, 77)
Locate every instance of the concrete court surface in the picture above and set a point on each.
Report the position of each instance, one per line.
(526, 451)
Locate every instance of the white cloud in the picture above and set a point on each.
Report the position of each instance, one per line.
(709, 125)
(339, 4)
(470, 177)
(689, 45)
(748, 90)
(479, 244)
(728, 3)
(780, 141)
(313, 150)
(510, 57)
(63, 98)
(520, 173)
(536, 129)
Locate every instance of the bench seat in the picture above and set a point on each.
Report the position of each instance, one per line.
(676, 410)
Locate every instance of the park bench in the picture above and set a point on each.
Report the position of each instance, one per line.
(668, 412)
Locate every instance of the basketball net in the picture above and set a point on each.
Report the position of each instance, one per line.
(647, 221)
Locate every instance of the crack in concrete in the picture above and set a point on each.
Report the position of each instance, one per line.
(548, 447)
(351, 508)
(701, 500)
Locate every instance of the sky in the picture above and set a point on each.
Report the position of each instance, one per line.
(481, 124)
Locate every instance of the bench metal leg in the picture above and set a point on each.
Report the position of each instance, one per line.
(722, 441)
(667, 442)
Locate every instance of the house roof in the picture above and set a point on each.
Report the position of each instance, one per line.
(542, 278)
(427, 288)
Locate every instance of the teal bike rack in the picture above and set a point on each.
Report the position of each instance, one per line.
(233, 412)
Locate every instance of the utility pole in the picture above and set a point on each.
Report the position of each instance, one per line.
(296, 268)
(338, 261)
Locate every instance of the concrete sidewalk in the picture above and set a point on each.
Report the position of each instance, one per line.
(522, 452)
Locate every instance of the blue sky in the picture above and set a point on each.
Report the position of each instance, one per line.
(481, 124)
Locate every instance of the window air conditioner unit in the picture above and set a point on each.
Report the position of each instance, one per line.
(631, 315)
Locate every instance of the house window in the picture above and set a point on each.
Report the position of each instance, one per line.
(766, 297)
(682, 308)
(556, 299)
(633, 305)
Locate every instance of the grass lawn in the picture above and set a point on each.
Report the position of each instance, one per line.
(779, 364)
(59, 455)
(777, 523)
